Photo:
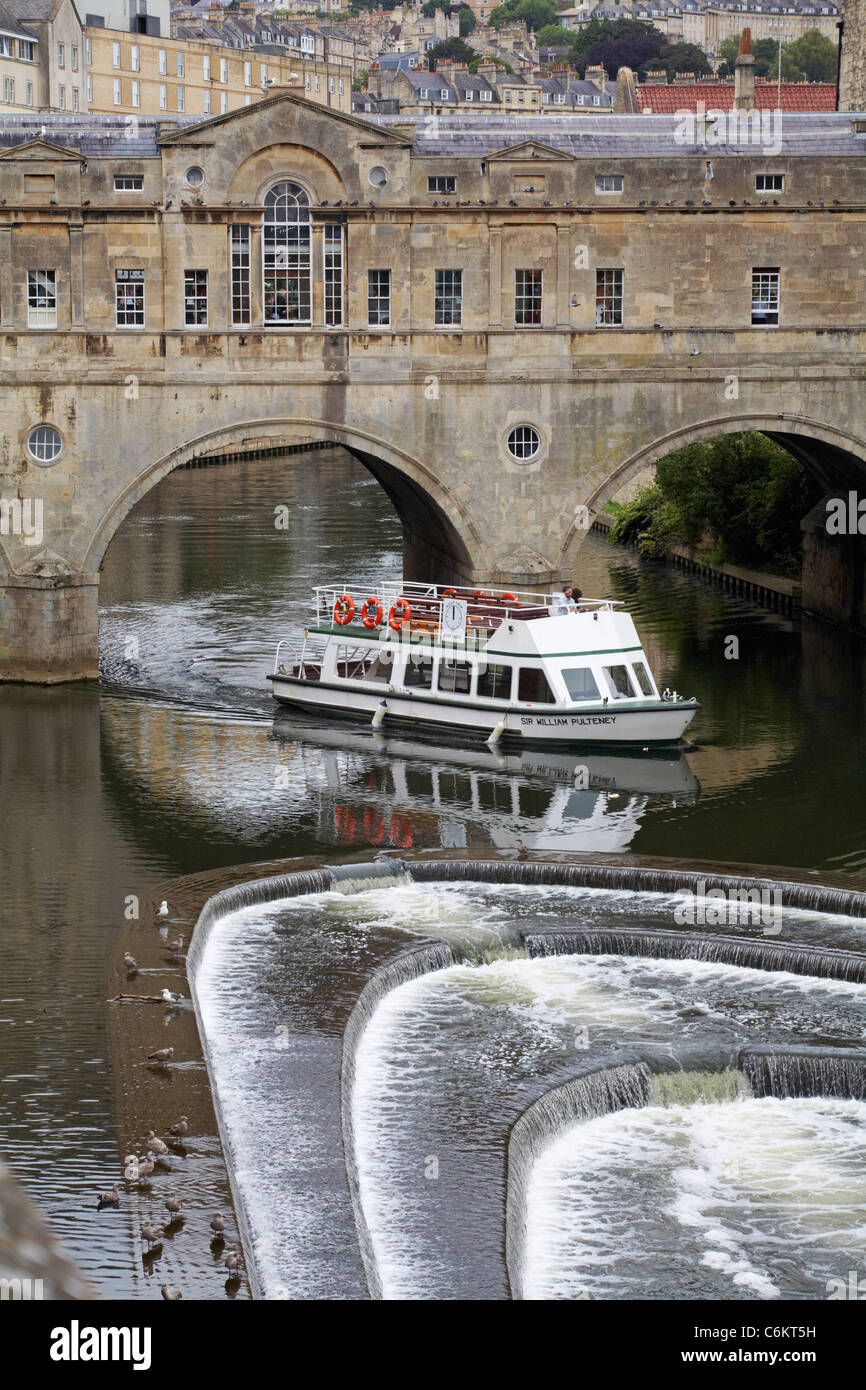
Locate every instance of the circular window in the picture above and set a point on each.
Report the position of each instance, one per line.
(195, 176)
(524, 442)
(44, 444)
(378, 176)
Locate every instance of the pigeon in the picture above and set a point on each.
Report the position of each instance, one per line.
(163, 1055)
(172, 998)
(130, 962)
(233, 1264)
(162, 910)
(150, 1233)
(155, 1146)
(181, 1129)
(218, 1224)
(109, 1199)
(170, 1294)
(172, 1206)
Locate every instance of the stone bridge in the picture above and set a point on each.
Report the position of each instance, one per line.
(496, 440)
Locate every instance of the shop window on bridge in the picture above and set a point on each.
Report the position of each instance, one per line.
(41, 299)
(129, 298)
(333, 266)
(532, 686)
(239, 265)
(765, 296)
(287, 255)
(195, 297)
(608, 298)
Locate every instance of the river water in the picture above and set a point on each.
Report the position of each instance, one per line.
(174, 765)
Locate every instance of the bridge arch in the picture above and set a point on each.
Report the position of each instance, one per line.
(440, 539)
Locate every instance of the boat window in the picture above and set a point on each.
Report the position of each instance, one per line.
(620, 682)
(494, 682)
(419, 671)
(532, 686)
(581, 684)
(380, 669)
(642, 677)
(455, 676)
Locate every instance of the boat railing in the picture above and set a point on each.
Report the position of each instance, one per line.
(485, 607)
(309, 654)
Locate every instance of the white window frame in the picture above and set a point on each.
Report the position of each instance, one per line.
(333, 261)
(248, 74)
(207, 102)
(379, 298)
(448, 298)
(526, 279)
(240, 272)
(766, 296)
(224, 103)
(181, 99)
(179, 64)
(205, 67)
(115, 55)
(769, 183)
(135, 57)
(128, 183)
(287, 256)
(129, 300)
(163, 63)
(136, 93)
(163, 97)
(42, 299)
(608, 183)
(224, 70)
(195, 298)
(118, 92)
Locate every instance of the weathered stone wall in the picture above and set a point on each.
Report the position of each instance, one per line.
(852, 85)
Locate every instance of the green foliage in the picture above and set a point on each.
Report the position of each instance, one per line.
(554, 36)
(534, 13)
(681, 57)
(452, 51)
(811, 58)
(741, 494)
(816, 55)
(489, 58)
(468, 22)
(360, 80)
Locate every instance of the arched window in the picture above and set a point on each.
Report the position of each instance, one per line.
(286, 255)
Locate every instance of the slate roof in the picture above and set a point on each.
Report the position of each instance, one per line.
(463, 135)
(9, 24)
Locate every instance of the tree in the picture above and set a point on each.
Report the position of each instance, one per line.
(817, 55)
(598, 29)
(534, 13)
(553, 35)
(630, 51)
(468, 22)
(683, 57)
(450, 51)
(360, 80)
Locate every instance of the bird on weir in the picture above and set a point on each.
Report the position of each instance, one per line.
(109, 1199)
(162, 1055)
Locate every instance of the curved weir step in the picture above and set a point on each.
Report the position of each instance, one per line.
(803, 1071)
(824, 962)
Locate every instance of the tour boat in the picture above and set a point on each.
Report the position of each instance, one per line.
(493, 664)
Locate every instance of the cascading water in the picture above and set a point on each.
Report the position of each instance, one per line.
(805, 1072)
(446, 1048)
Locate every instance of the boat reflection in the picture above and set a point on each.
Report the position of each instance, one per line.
(397, 792)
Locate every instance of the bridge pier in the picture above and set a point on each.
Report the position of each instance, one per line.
(834, 568)
(49, 628)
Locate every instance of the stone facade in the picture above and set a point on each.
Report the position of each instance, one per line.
(577, 283)
(852, 83)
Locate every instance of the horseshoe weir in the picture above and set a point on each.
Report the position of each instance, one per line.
(429, 1104)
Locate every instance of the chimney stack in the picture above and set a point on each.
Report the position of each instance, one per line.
(744, 75)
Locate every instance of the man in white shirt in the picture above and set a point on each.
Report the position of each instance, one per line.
(568, 601)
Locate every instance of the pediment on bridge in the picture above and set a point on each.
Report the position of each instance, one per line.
(530, 150)
(297, 110)
(42, 150)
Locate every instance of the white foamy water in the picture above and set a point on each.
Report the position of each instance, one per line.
(754, 1199)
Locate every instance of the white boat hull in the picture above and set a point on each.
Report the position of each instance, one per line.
(660, 724)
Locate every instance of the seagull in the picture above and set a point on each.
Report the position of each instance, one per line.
(171, 1295)
(218, 1224)
(172, 998)
(155, 1146)
(174, 948)
(162, 910)
(130, 962)
(109, 1199)
(172, 1206)
(233, 1264)
(163, 1055)
(150, 1233)
(146, 1166)
(181, 1129)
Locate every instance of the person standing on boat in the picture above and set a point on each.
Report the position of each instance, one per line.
(568, 601)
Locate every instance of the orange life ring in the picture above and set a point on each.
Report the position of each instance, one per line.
(511, 598)
(480, 593)
(448, 593)
(400, 614)
(344, 609)
(376, 619)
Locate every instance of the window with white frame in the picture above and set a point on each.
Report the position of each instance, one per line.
(333, 267)
(379, 298)
(239, 267)
(61, 55)
(448, 297)
(248, 74)
(163, 62)
(117, 92)
(608, 298)
(442, 183)
(195, 297)
(88, 51)
(74, 57)
(27, 50)
(61, 92)
(608, 183)
(766, 285)
(769, 183)
(9, 90)
(42, 299)
(207, 103)
(75, 98)
(28, 93)
(287, 255)
(163, 97)
(129, 298)
(205, 68)
(115, 55)
(128, 183)
(136, 93)
(135, 58)
(181, 98)
(224, 102)
(7, 47)
(179, 65)
(224, 70)
(528, 290)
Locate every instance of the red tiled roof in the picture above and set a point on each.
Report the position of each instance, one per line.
(719, 96)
